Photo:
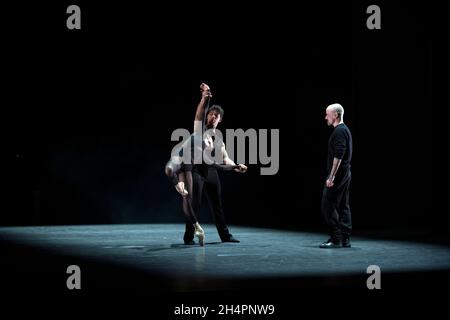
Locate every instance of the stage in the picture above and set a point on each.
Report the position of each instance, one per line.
(152, 258)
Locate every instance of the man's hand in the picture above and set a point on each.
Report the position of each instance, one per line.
(329, 183)
(205, 90)
(241, 168)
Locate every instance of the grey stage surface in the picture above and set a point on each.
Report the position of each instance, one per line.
(154, 257)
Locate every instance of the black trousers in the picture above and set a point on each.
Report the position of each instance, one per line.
(206, 178)
(336, 209)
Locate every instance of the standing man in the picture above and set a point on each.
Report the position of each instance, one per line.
(205, 176)
(335, 198)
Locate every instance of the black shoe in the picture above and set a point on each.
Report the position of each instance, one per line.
(230, 239)
(331, 244)
(189, 243)
(346, 242)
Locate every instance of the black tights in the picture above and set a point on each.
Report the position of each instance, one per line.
(206, 180)
(180, 173)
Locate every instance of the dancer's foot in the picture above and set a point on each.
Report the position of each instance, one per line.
(331, 244)
(206, 92)
(200, 234)
(180, 188)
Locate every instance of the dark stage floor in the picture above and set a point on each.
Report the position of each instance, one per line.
(145, 268)
(152, 257)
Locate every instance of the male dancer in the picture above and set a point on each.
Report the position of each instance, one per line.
(198, 176)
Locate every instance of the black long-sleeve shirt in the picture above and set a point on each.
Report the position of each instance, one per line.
(340, 146)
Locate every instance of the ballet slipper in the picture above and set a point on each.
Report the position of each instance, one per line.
(180, 188)
(200, 234)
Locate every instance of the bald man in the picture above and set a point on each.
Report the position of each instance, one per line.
(335, 197)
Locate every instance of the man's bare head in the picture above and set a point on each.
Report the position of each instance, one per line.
(334, 114)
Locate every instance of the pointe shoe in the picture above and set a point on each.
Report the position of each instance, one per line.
(200, 234)
(180, 188)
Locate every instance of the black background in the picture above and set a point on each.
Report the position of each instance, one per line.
(88, 113)
(87, 117)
